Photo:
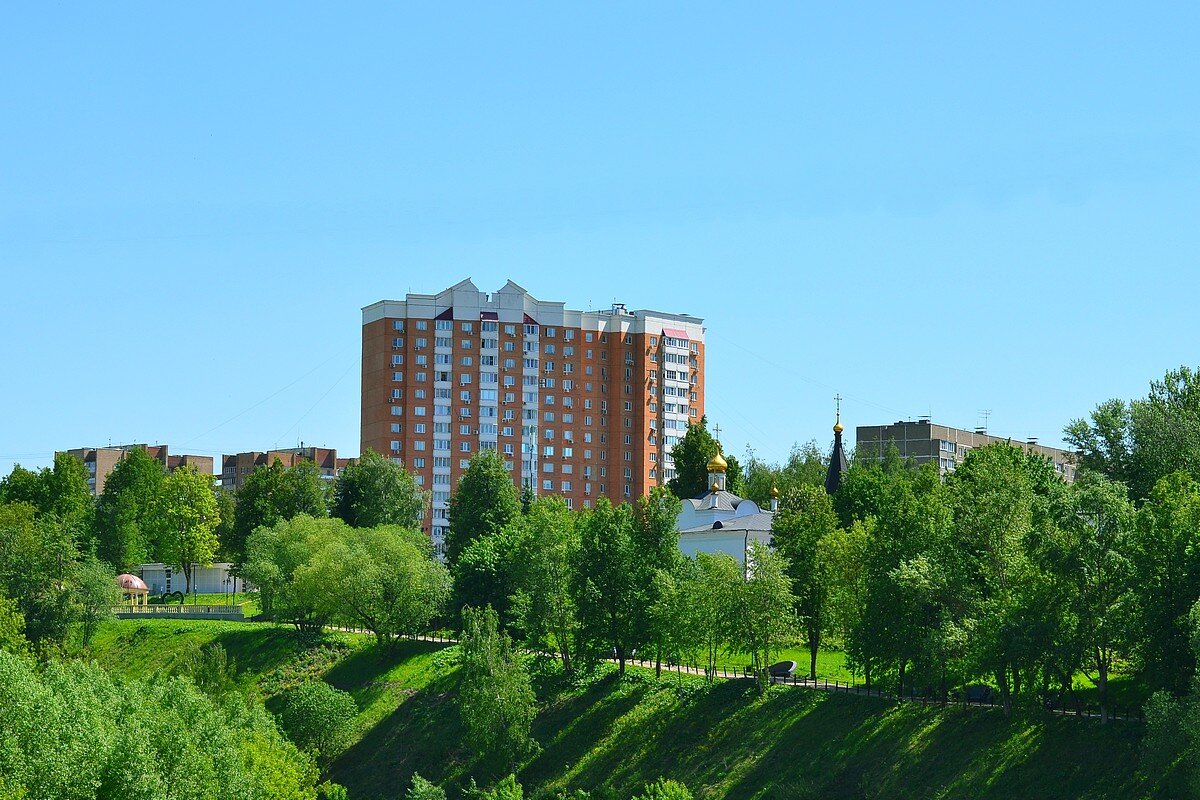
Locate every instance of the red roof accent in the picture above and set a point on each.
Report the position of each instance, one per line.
(676, 333)
(447, 314)
(489, 315)
(530, 320)
(127, 581)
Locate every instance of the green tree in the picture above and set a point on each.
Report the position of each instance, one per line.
(73, 732)
(806, 466)
(842, 555)
(127, 511)
(37, 562)
(695, 608)
(97, 593)
(24, 486)
(1165, 562)
(188, 519)
(12, 629)
(1102, 523)
(495, 698)
(373, 491)
(319, 718)
(993, 498)
(545, 544)
(383, 579)
(506, 789)
(906, 519)
(484, 573)
(664, 789)
(806, 517)
(211, 669)
(1142, 441)
(274, 493)
(483, 504)
(422, 789)
(611, 586)
(278, 561)
(67, 495)
(691, 456)
(765, 601)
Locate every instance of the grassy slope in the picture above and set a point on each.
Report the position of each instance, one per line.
(611, 736)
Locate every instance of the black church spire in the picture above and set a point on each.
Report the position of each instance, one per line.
(838, 463)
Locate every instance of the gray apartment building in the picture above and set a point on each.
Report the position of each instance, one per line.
(924, 441)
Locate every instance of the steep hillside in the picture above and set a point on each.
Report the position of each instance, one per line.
(610, 736)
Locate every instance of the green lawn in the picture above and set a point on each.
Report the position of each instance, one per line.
(610, 736)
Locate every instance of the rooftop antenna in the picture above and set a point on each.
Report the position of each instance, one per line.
(986, 414)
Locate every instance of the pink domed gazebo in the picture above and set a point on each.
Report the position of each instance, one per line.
(134, 588)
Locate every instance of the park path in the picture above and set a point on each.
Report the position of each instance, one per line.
(817, 685)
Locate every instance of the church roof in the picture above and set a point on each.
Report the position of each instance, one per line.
(726, 501)
(751, 522)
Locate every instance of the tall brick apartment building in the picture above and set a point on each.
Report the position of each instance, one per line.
(581, 404)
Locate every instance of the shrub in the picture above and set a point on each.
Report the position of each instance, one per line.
(663, 789)
(319, 718)
(422, 789)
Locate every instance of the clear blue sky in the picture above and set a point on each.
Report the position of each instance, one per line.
(928, 208)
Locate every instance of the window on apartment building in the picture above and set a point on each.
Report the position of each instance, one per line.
(398, 325)
(489, 326)
(398, 341)
(468, 327)
(418, 427)
(464, 447)
(422, 325)
(395, 427)
(397, 411)
(398, 377)
(395, 446)
(418, 463)
(418, 445)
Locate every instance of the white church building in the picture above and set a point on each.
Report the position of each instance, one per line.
(719, 521)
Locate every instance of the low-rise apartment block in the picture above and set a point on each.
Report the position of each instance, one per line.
(924, 441)
(236, 468)
(99, 461)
